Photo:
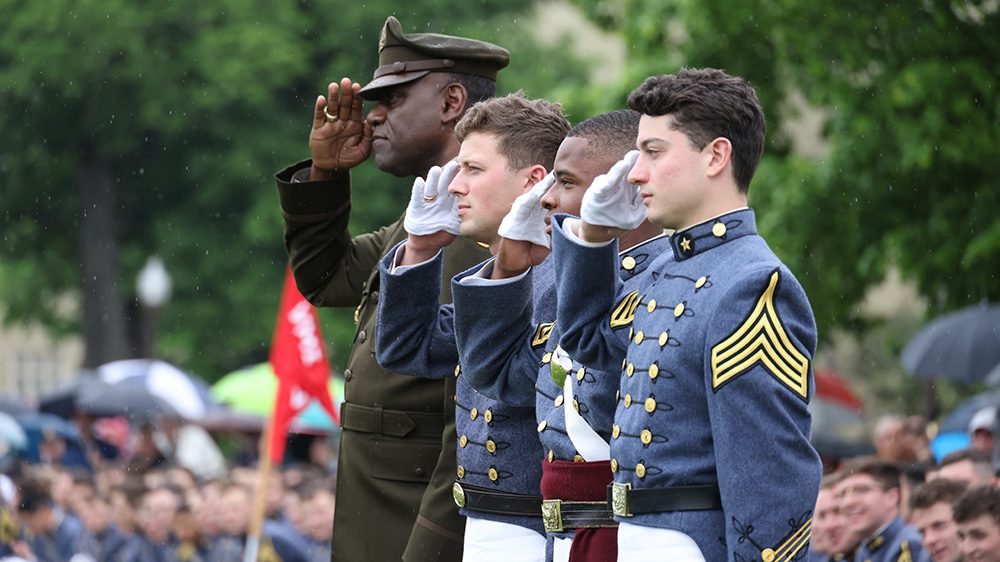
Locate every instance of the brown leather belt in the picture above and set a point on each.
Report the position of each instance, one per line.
(394, 423)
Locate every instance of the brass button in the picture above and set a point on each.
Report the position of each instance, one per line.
(678, 310)
(542, 425)
(767, 555)
(618, 395)
(700, 282)
(461, 471)
(719, 229)
(577, 458)
(624, 361)
(663, 339)
(646, 437)
(491, 446)
(639, 336)
(552, 455)
(616, 431)
(631, 332)
(630, 369)
(651, 306)
(463, 441)
(458, 494)
(654, 371)
(576, 405)
(362, 336)
(488, 416)
(348, 375)
(558, 401)
(458, 369)
(492, 473)
(650, 405)
(614, 465)
(546, 358)
(628, 262)
(628, 400)
(581, 373)
(640, 470)
(473, 414)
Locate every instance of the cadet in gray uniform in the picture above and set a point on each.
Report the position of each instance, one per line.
(710, 448)
(508, 357)
(507, 146)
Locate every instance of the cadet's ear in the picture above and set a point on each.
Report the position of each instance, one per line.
(719, 152)
(535, 175)
(454, 99)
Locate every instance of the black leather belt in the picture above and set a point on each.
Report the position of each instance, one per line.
(559, 515)
(626, 502)
(478, 498)
(394, 423)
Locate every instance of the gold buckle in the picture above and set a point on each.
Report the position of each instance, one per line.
(552, 516)
(458, 494)
(619, 499)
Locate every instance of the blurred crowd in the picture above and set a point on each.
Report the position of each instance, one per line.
(904, 504)
(172, 497)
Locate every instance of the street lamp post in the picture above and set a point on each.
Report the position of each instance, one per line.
(153, 287)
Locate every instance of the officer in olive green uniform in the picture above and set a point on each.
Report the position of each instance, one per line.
(397, 453)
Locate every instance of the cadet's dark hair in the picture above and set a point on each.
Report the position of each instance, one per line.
(936, 491)
(33, 494)
(706, 104)
(477, 88)
(975, 456)
(611, 134)
(982, 500)
(528, 131)
(885, 473)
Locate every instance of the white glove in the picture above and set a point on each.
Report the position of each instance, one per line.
(526, 219)
(612, 201)
(432, 209)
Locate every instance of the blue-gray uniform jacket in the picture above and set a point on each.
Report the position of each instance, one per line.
(896, 542)
(717, 377)
(498, 445)
(110, 545)
(501, 346)
(61, 544)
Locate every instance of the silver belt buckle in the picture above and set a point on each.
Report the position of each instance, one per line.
(552, 516)
(619, 499)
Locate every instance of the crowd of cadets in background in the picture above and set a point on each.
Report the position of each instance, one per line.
(901, 505)
(164, 514)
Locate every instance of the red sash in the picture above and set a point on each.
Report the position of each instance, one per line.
(582, 481)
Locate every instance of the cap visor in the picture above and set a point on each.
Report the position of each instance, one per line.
(371, 90)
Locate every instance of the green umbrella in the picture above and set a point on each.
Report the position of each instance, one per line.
(252, 389)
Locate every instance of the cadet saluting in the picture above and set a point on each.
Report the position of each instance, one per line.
(397, 454)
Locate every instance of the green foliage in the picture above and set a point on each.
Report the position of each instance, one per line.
(190, 108)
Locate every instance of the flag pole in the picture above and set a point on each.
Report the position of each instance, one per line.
(264, 464)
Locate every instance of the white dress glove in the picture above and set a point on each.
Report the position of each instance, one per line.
(526, 219)
(432, 209)
(612, 201)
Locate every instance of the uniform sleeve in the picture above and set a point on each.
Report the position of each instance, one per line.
(758, 364)
(330, 267)
(592, 328)
(494, 332)
(415, 335)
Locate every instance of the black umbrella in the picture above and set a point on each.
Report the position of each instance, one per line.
(961, 346)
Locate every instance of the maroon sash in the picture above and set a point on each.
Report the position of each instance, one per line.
(582, 481)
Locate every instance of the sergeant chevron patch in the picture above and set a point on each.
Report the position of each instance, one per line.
(542, 334)
(761, 338)
(624, 311)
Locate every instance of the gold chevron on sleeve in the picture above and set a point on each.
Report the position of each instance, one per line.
(793, 543)
(761, 339)
(542, 334)
(624, 311)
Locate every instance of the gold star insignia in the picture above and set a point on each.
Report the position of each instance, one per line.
(686, 244)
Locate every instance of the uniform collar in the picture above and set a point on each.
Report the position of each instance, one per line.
(635, 260)
(712, 233)
(884, 535)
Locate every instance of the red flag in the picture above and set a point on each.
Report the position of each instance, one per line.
(299, 361)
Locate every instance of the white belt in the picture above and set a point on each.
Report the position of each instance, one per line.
(590, 445)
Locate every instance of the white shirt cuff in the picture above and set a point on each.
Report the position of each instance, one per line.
(396, 269)
(571, 225)
(481, 278)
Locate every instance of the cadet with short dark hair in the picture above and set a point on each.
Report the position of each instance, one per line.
(977, 514)
(397, 453)
(932, 515)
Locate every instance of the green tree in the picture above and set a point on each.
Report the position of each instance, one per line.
(133, 128)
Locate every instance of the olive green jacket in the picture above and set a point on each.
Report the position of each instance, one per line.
(393, 491)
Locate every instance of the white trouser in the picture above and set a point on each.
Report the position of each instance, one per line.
(491, 541)
(560, 549)
(649, 544)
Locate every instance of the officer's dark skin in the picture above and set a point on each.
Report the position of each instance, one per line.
(410, 128)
